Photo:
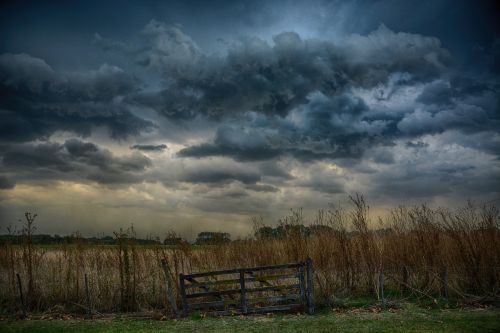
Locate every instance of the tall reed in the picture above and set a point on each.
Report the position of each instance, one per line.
(412, 247)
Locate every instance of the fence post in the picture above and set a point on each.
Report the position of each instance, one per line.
(404, 285)
(310, 286)
(185, 307)
(445, 282)
(381, 288)
(243, 292)
(87, 294)
(21, 296)
(169, 286)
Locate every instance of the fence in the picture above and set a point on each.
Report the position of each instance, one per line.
(251, 290)
(281, 288)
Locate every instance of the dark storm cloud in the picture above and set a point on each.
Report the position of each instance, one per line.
(420, 122)
(219, 176)
(320, 185)
(437, 178)
(159, 147)
(416, 145)
(274, 96)
(36, 101)
(487, 141)
(262, 188)
(446, 93)
(384, 157)
(303, 89)
(461, 103)
(231, 194)
(271, 78)
(438, 92)
(303, 82)
(159, 47)
(73, 160)
(6, 183)
(323, 128)
(60, 24)
(90, 154)
(235, 143)
(34, 76)
(275, 170)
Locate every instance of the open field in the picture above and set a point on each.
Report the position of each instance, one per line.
(409, 319)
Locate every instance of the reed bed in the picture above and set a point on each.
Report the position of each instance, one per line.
(416, 249)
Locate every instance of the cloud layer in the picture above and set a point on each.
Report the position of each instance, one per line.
(257, 123)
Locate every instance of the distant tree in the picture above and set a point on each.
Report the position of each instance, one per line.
(172, 238)
(210, 237)
(266, 232)
(174, 241)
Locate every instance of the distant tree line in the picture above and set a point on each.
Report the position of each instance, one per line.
(209, 237)
(46, 239)
(203, 238)
(282, 230)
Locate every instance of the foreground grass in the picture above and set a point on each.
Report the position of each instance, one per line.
(410, 319)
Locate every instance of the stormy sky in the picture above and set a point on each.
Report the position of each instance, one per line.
(195, 116)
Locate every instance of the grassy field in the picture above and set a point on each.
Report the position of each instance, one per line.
(408, 319)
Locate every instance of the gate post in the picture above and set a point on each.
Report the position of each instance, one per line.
(185, 307)
(310, 286)
(169, 287)
(302, 284)
(243, 292)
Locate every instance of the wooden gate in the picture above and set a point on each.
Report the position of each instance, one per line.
(252, 290)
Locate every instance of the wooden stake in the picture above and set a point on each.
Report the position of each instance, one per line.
(404, 285)
(169, 287)
(445, 283)
(87, 295)
(381, 288)
(21, 295)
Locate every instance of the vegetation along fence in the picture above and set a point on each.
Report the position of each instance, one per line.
(252, 290)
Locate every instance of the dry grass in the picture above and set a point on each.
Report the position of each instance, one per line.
(418, 243)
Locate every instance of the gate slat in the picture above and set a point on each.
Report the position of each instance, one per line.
(237, 270)
(237, 291)
(263, 278)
